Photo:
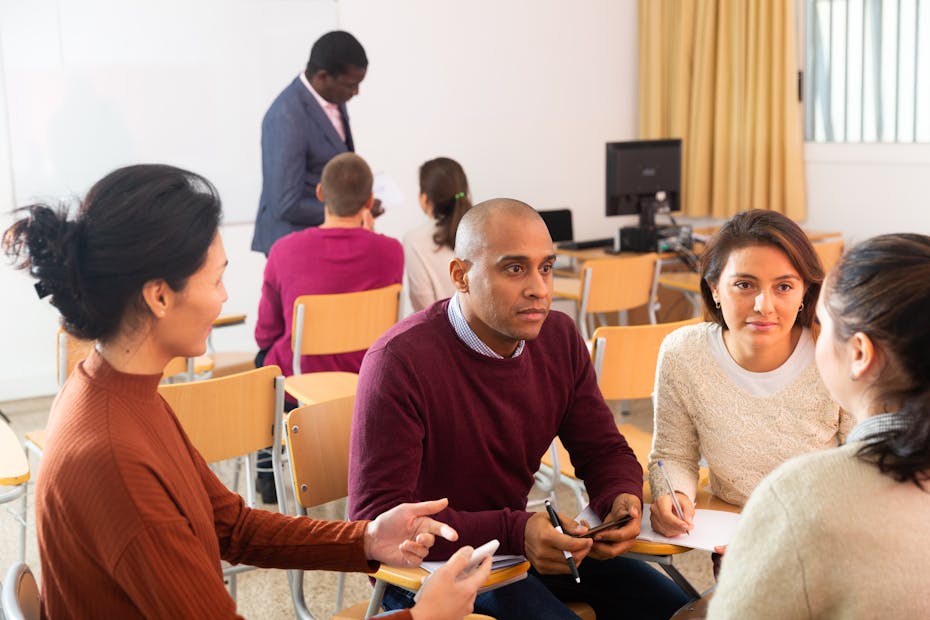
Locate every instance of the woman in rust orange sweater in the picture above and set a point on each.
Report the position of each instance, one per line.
(131, 521)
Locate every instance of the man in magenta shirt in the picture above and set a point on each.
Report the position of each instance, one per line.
(342, 255)
(462, 399)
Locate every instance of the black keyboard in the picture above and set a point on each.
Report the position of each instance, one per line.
(606, 242)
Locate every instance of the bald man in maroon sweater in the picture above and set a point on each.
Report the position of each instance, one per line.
(462, 399)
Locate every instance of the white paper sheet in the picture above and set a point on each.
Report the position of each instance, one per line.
(712, 528)
(387, 190)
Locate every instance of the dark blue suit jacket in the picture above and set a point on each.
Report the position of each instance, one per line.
(297, 141)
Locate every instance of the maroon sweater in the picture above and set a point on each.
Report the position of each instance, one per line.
(435, 419)
(131, 521)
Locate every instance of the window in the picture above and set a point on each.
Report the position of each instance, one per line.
(868, 71)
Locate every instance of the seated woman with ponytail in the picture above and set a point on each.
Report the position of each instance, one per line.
(843, 533)
(445, 198)
(130, 519)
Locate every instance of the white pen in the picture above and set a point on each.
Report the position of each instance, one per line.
(671, 491)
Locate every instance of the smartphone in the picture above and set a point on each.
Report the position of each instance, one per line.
(477, 555)
(485, 550)
(606, 526)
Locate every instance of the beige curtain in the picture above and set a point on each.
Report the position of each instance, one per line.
(722, 76)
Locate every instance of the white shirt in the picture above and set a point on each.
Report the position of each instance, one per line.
(762, 383)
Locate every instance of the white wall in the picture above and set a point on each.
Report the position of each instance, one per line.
(523, 93)
(868, 189)
(507, 88)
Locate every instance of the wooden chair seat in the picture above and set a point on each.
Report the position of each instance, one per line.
(316, 387)
(227, 363)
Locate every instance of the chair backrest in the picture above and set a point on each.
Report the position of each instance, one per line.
(829, 252)
(625, 358)
(559, 223)
(20, 594)
(318, 446)
(68, 353)
(230, 416)
(615, 284)
(342, 322)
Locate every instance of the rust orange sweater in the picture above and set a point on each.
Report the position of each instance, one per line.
(133, 523)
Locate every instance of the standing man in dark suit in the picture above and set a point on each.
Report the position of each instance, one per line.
(305, 127)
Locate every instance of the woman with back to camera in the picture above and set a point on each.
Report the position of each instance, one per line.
(130, 519)
(742, 390)
(843, 533)
(445, 198)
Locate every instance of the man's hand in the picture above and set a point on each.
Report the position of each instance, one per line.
(611, 543)
(543, 545)
(665, 520)
(449, 594)
(376, 208)
(403, 535)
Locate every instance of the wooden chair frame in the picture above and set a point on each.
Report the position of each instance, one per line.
(233, 416)
(20, 599)
(617, 285)
(333, 324)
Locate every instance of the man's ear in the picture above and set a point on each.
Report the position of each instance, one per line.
(368, 203)
(865, 357)
(319, 192)
(158, 296)
(458, 271)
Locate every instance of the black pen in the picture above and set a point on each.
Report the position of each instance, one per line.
(568, 554)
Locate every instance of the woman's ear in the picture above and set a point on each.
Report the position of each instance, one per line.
(158, 296)
(865, 357)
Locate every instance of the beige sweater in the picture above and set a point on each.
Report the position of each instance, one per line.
(828, 536)
(700, 411)
(427, 267)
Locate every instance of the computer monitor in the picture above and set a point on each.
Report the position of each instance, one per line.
(643, 176)
(559, 223)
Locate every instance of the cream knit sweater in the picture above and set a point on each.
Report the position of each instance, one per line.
(828, 536)
(699, 411)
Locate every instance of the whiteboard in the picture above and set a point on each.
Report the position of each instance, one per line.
(92, 85)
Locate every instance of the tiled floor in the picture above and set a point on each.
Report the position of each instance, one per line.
(265, 593)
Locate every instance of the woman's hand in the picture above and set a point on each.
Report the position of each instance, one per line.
(664, 519)
(449, 595)
(403, 535)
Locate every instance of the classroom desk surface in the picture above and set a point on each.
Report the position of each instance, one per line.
(592, 253)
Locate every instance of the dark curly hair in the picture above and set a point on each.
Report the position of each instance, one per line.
(138, 223)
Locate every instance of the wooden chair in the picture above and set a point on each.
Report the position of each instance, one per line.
(829, 252)
(611, 285)
(625, 362)
(14, 477)
(332, 324)
(230, 417)
(318, 449)
(20, 599)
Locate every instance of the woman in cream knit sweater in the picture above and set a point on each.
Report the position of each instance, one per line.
(843, 533)
(742, 390)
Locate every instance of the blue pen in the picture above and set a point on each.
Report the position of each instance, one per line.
(554, 518)
(671, 491)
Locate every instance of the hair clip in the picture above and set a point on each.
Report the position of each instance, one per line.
(42, 290)
(458, 195)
